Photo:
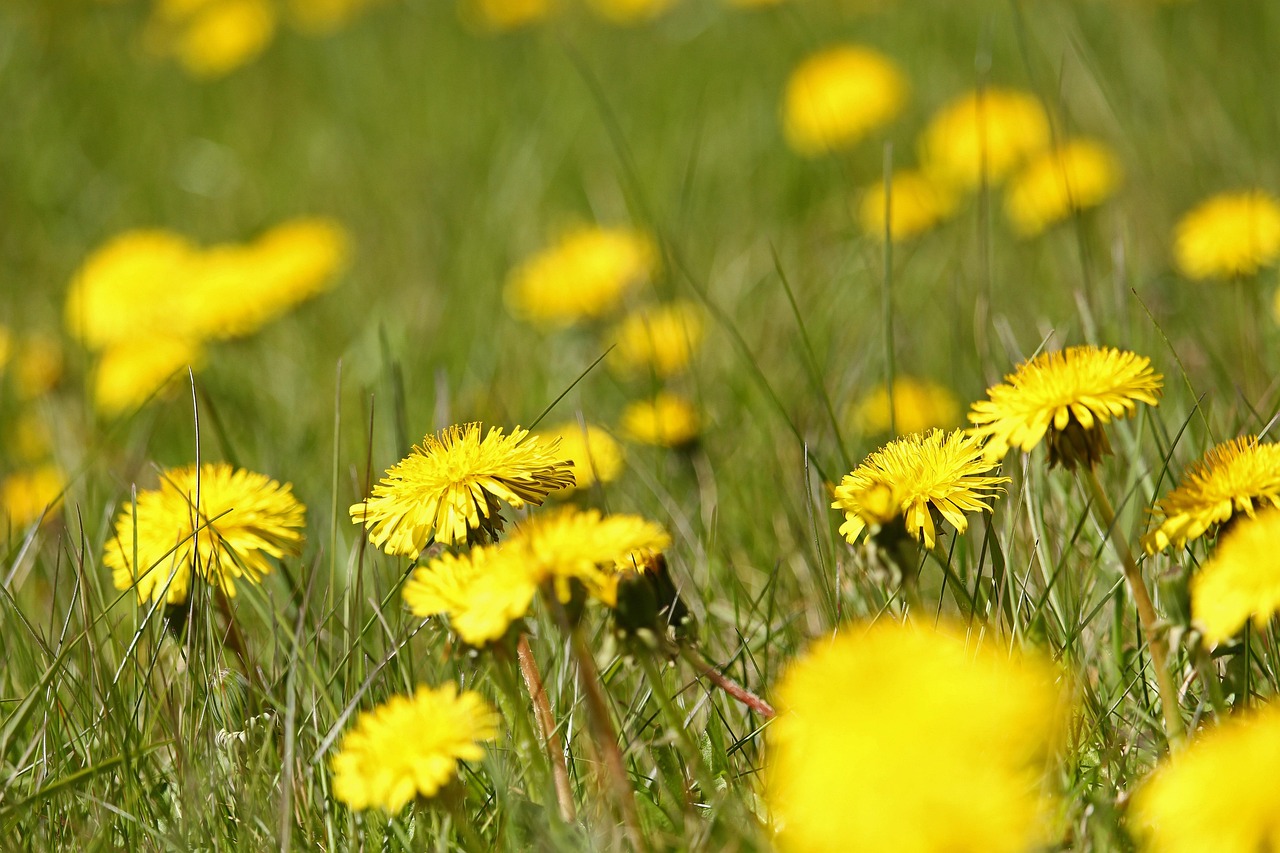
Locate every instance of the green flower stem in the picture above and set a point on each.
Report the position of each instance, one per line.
(1147, 618)
(503, 671)
(712, 673)
(675, 720)
(547, 724)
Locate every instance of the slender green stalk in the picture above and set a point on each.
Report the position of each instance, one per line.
(728, 685)
(675, 720)
(503, 672)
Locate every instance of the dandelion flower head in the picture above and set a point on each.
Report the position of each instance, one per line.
(918, 204)
(925, 474)
(225, 524)
(660, 340)
(1241, 580)
(452, 487)
(982, 136)
(411, 746)
(32, 493)
(1230, 235)
(1218, 794)
(211, 38)
(127, 374)
(857, 758)
(1238, 476)
(596, 457)
(1074, 176)
(1064, 398)
(37, 365)
(918, 404)
(837, 96)
(667, 420)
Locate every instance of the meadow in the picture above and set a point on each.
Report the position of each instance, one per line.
(931, 538)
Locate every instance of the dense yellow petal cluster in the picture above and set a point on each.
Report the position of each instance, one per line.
(584, 276)
(410, 747)
(917, 204)
(1241, 580)
(918, 404)
(1218, 794)
(1228, 236)
(660, 340)
(211, 38)
(596, 457)
(917, 477)
(1238, 476)
(29, 494)
(911, 739)
(982, 136)
(1074, 176)
(1064, 398)
(452, 487)
(667, 420)
(220, 523)
(837, 96)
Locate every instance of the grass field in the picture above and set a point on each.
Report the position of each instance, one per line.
(449, 154)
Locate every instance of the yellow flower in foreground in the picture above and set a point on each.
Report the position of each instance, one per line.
(666, 421)
(918, 404)
(484, 591)
(626, 12)
(411, 747)
(453, 485)
(1237, 476)
(1064, 398)
(661, 340)
(1229, 235)
(243, 521)
(1219, 794)
(29, 494)
(920, 476)
(211, 38)
(918, 204)
(128, 374)
(912, 740)
(982, 136)
(1241, 579)
(1075, 176)
(582, 277)
(503, 15)
(836, 97)
(596, 457)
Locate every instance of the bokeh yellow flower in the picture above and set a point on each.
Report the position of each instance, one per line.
(451, 487)
(837, 96)
(918, 404)
(919, 477)
(1075, 176)
(918, 204)
(659, 340)
(127, 374)
(220, 523)
(1238, 476)
(667, 420)
(1229, 235)
(28, 494)
(211, 38)
(628, 12)
(324, 17)
(1218, 794)
(504, 15)
(1064, 398)
(912, 739)
(37, 365)
(982, 136)
(1241, 580)
(584, 276)
(411, 746)
(596, 457)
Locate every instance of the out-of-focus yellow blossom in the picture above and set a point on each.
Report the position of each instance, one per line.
(28, 494)
(583, 276)
(666, 421)
(29, 438)
(918, 404)
(1241, 581)
(1075, 176)
(912, 739)
(596, 457)
(6, 347)
(982, 136)
(127, 374)
(323, 17)
(628, 12)
(919, 203)
(38, 366)
(836, 97)
(754, 4)
(659, 340)
(1218, 794)
(211, 38)
(505, 15)
(1231, 235)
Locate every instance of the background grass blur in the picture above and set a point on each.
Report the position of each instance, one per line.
(451, 155)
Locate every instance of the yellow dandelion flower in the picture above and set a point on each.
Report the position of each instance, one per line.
(1218, 794)
(1064, 398)
(1230, 235)
(30, 437)
(982, 136)
(582, 277)
(1075, 176)
(243, 521)
(453, 485)
(1241, 580)
(852, 763)
(596, 457)
(628, 12)
(919, 203)
(1237, 476)
(411, 746)
(918, 404)
(836, 97)
(665, 421)
(325, 17)
(211, 38)
(659, 340)
(128, 374)
(919, 476)
(37, 366)
(29, 494)
(505, 15)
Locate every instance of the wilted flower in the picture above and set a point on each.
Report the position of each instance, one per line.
(1241, 580)
(919, 203)
(1229, 235)
(1074, 176)
(836, 97)
(982, 136)
(918, 404)
(666, 421)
